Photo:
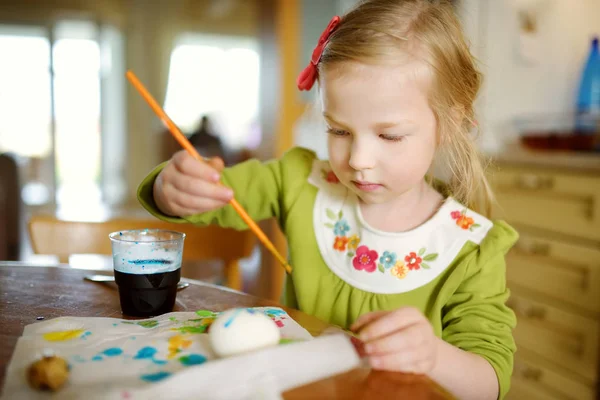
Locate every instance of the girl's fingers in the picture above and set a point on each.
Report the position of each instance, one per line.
(183, 212)
(407, 362)
(390, 322)
(183, 201)
(365, 319)
(193, 205)
(201, 188)
(217, 163)
(188, 165)
(396, 342)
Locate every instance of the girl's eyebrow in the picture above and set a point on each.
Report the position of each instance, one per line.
(331, 119)
(385, 125)
(379, 125)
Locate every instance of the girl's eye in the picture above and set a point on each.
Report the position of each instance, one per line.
(337, 132)
(392, 138)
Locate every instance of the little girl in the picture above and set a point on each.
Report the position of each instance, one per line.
(376, 245)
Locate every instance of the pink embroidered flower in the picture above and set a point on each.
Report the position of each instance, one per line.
(331, 178)
(455, 214)
(399, 270)
(340, 243)
(413, 261)
(365, 259)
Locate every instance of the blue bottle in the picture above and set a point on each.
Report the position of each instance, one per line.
(588, 100)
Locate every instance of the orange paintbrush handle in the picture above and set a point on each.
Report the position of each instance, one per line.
(192, 151)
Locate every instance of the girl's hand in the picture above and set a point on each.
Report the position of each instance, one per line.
(400, 340)
(187, 186)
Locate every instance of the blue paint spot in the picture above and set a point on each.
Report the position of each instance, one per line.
(155, 377)
(274, 311)
(145, 352)
(153, 261)
(192, 359)
(113, 351)
(115, 324)
(230, 320)
(148, 353)
(132, 338)
(97, 358)
(120, 233)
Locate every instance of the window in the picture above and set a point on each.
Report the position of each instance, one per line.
(216, 76)
(25, 107)
(53, 81)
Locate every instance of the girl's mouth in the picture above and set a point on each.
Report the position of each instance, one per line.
(366, 186)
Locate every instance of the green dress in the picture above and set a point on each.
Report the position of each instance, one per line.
(451, 268)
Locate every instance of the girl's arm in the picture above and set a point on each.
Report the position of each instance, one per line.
(474, 357)
(466, 375)
(477, 324)
(265, 190)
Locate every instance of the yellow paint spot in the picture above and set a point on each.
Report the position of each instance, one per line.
(63, 336)
(176, 344)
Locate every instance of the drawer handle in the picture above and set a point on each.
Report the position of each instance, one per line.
(535, 182)
(511, 303)
(532, 374)
(533, 247)
(535, 312)
(577, 348)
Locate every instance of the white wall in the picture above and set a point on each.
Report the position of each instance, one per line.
(513, 87)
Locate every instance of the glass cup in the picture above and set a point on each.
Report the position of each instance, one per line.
(147, 266)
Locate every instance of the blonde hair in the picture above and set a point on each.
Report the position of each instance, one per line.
(382, 30)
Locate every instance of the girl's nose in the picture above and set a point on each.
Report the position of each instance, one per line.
(361, 158)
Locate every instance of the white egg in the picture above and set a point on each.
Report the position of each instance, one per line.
(241, 330)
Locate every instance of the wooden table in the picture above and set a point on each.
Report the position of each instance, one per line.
(28, 292)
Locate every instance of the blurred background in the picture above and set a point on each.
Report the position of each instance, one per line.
(76, 139)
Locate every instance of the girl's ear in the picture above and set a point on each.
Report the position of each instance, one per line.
(457, 114)
(454, 121)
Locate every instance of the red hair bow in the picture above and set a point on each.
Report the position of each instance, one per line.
(308, 76)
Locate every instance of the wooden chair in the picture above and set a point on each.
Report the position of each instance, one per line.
(10, 209)
(50, 235)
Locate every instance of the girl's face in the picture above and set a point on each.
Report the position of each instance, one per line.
(382, 131)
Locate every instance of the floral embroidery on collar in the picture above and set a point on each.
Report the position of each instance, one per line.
(463, 221)
(367, 259)
(329, 176)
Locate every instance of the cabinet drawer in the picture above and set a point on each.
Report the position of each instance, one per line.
(563, 271)
(568, 204)
(530, 376)
(520, 390)
(566, 339)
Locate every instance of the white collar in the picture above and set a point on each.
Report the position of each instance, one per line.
(386, 262)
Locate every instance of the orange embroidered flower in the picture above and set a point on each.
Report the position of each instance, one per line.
(399, 270)
(413, 260)
(340, 243)
(353, 242)
(465, 222)
(331, 177)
